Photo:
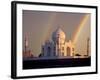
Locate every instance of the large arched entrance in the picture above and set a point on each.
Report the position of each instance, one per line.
(48, 51)
(68, 51)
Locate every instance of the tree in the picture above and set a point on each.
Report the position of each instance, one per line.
(77, 55)
(40, 55)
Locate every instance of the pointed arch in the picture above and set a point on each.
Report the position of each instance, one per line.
(48, 51)
(68, 51)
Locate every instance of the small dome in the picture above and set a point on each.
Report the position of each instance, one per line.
(58, 34)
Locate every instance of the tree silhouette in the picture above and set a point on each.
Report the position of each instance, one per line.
(77, 55)
(40, 55)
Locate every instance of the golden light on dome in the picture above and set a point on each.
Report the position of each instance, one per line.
(59, 32)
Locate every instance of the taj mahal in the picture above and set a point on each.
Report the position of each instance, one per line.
(58, 46)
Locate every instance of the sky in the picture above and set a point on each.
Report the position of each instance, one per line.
(38, 26)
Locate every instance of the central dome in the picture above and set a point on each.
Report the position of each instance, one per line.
(58, 33)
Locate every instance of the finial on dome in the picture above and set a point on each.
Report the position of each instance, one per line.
(58, 29)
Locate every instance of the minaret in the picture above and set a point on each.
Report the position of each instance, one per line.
(26, 44)
(27, 52)
(88, 46)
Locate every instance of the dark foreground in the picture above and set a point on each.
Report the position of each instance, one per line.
(76, 62)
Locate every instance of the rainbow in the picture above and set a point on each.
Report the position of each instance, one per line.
(80, 26)
(48, 26)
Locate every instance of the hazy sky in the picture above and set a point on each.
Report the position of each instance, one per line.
(39, 25)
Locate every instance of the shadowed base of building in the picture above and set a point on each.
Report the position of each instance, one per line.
(53, 63)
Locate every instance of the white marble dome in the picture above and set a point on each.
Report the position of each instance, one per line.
(58, 33)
